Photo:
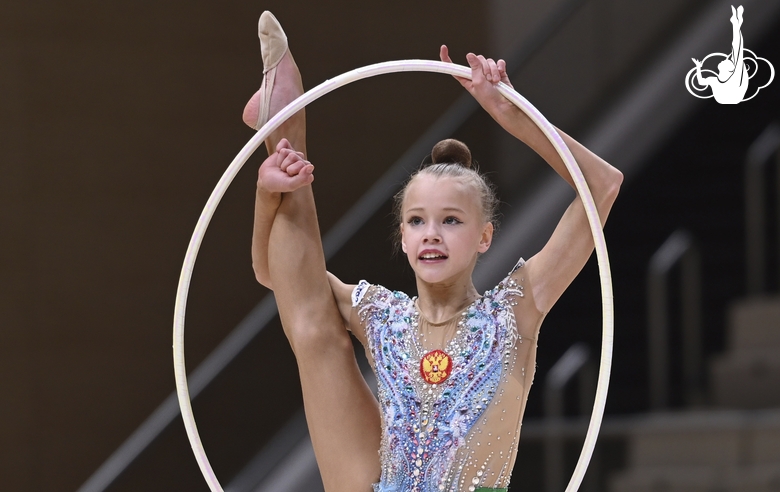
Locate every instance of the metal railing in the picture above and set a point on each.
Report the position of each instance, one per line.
(680, 248)
(574, 362)
(758, 158)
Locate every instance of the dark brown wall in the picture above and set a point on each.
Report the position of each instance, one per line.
(116, 120)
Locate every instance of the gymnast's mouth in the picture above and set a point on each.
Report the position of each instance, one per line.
(432, 255)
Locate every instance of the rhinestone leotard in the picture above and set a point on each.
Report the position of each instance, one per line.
(459, 435)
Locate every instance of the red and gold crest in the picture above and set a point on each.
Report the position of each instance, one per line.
(435, 367)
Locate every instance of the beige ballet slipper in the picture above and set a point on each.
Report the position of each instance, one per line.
(273, 46)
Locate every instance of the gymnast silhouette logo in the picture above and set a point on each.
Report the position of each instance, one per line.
(731, 83)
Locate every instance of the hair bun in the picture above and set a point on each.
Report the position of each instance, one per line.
(451, 151)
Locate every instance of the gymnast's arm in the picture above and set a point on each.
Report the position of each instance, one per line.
(343, 294)
(283, 171)
(551, 270)
(266, 205)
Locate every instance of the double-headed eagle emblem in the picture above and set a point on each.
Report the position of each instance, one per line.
(435, 367)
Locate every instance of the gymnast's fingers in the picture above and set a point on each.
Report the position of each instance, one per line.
(283, 144)
(489, 70)
(493, 74)
(289, 156)
(444, 55)
(306, 176)
(297, 167)
(477, 69)
(285, 151)
(502, 72)
(282, 154)
(485, 68)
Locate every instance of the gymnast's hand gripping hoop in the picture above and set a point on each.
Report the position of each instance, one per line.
(298, 104)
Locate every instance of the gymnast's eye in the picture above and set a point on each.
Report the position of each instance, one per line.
(414, 221)
(452, 220)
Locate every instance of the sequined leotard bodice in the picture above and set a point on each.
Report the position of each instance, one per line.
(460, 434)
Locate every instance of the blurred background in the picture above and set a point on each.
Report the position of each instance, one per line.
(117, 120)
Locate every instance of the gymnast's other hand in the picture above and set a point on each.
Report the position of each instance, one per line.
(285, 170)
(486, 73)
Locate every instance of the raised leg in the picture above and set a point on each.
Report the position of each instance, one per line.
(342, 414)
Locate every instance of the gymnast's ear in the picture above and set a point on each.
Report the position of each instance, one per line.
(402, 240)
(487, 238)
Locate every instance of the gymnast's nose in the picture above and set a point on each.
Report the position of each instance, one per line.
(432, 234)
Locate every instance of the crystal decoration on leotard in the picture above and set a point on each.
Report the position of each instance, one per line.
(460, 433)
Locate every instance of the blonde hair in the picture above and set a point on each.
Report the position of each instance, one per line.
(450, 158)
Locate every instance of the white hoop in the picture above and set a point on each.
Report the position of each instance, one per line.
(298, 104)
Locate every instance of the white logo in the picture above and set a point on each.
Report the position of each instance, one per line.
(730, 83)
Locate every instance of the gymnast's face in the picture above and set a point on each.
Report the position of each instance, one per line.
(443, 228)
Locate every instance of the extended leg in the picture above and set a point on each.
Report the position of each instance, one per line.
(342, 414)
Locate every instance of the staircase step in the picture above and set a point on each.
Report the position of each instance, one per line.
(691, 447)
(754, 323)
(746, 378)
(706, 439)
(759, 478)
(666, 479)
(765, 440)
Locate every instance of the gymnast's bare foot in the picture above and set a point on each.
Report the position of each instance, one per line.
(281, 84)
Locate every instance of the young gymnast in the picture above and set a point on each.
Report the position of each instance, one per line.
(453, 367)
